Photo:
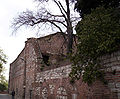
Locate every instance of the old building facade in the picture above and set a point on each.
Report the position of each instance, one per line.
(41, 72)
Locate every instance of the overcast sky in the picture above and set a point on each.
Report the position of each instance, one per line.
(13, 44)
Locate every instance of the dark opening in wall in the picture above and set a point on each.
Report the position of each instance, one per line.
(46, 59)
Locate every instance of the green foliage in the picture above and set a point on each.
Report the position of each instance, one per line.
(98, 33)
(2, 60)
(85, 6)
(2, 87)
(3, 81)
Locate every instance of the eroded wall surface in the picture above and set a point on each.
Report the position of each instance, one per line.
(51, 81)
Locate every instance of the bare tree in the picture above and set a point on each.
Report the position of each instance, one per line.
(63, 21)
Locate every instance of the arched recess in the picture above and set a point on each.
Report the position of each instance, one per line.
(61, 93)
(44, 93)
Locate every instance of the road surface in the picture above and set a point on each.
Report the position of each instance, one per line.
(5, 96)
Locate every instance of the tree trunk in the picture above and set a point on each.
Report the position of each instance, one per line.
(69, 30)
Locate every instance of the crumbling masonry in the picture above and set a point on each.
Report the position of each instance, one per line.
(41, 72)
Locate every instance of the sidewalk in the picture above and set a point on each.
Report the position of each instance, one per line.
(5, 96)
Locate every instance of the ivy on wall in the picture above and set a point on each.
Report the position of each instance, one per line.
(98, 33)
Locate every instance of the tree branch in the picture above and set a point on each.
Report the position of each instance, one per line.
(62, 7)
(59, 6)
(28, 19)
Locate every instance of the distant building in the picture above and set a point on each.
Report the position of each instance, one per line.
(41, 72)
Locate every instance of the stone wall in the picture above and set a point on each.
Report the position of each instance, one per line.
(53, 44)
(111, 64)
(22, 72)
(30, 68)
(49, 82)
(16, 76)
(52, 81)
(57, 73)
(55, 84)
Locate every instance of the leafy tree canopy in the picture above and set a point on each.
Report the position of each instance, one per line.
(2, 60)
(3, 81)
(85, 6)
(98, 33)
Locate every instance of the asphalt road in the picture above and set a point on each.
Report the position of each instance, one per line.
(5, 96)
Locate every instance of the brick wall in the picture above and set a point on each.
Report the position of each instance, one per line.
(51, 80)
(16, 76)
(111, 64)
(22, 72)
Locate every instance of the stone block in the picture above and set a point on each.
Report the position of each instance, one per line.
(114, 90)
(111, 85)
(118, 95)
(117, 85)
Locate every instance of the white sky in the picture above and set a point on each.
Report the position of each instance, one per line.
(13, 44)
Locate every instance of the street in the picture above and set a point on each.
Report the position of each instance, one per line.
(5, 96)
